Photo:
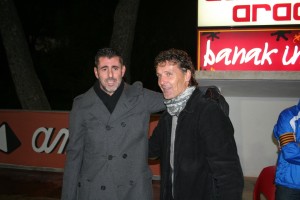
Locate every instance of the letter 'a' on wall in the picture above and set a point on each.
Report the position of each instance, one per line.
(38, 139)
(237, 13)
(249, 50)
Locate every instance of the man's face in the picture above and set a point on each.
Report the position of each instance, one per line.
(109, 72)
(171, 79)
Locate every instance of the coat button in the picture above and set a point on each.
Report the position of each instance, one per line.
(124, 155)
(107, 127)
(123, 124)
(79, 184)
(131, 182)
(110, 157)
(103, 187)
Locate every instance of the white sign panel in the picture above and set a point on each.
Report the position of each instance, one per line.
(214, 13)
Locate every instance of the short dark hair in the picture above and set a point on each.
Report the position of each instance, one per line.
(179, 57)
(107, 52)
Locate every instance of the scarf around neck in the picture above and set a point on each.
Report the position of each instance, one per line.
(177, 104)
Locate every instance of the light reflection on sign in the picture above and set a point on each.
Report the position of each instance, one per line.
(252, 50)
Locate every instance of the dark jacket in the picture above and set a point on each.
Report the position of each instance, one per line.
(206, 163)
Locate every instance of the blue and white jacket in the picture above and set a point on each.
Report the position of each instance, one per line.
(287, 132)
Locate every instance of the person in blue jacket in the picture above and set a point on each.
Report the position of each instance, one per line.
(287, 132)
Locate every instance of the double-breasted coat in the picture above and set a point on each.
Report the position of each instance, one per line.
(206, 162)
(107, 153)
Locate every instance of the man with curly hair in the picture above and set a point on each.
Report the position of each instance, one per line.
(194, 138)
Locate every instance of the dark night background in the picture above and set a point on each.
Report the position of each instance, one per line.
(65, 35)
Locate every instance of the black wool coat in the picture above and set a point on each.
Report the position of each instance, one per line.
(206, 162)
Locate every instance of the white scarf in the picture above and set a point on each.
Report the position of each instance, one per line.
(177, 104)
(174, 107)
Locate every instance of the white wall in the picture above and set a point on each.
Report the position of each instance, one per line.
(253, 119)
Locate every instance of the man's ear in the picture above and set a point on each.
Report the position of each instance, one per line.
(188, 75)
(96, 72)
(123, 70)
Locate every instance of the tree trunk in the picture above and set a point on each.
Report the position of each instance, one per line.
(123, 30)
(28, 87)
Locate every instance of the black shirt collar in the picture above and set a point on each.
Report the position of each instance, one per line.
(109, 101)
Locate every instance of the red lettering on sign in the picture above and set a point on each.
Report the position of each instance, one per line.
(255, 10)
(296, 11)
(288, 12)
(276, 12)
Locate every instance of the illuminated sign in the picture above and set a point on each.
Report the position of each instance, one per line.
(39, 139)
(249, 50)
(214, 13)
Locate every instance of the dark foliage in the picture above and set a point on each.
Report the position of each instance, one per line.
(64, 36)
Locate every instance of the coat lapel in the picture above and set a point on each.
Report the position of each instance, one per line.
(127, 101)
(98, 109)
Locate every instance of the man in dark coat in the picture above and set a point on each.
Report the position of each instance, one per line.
(107, 153)
(193, 139)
